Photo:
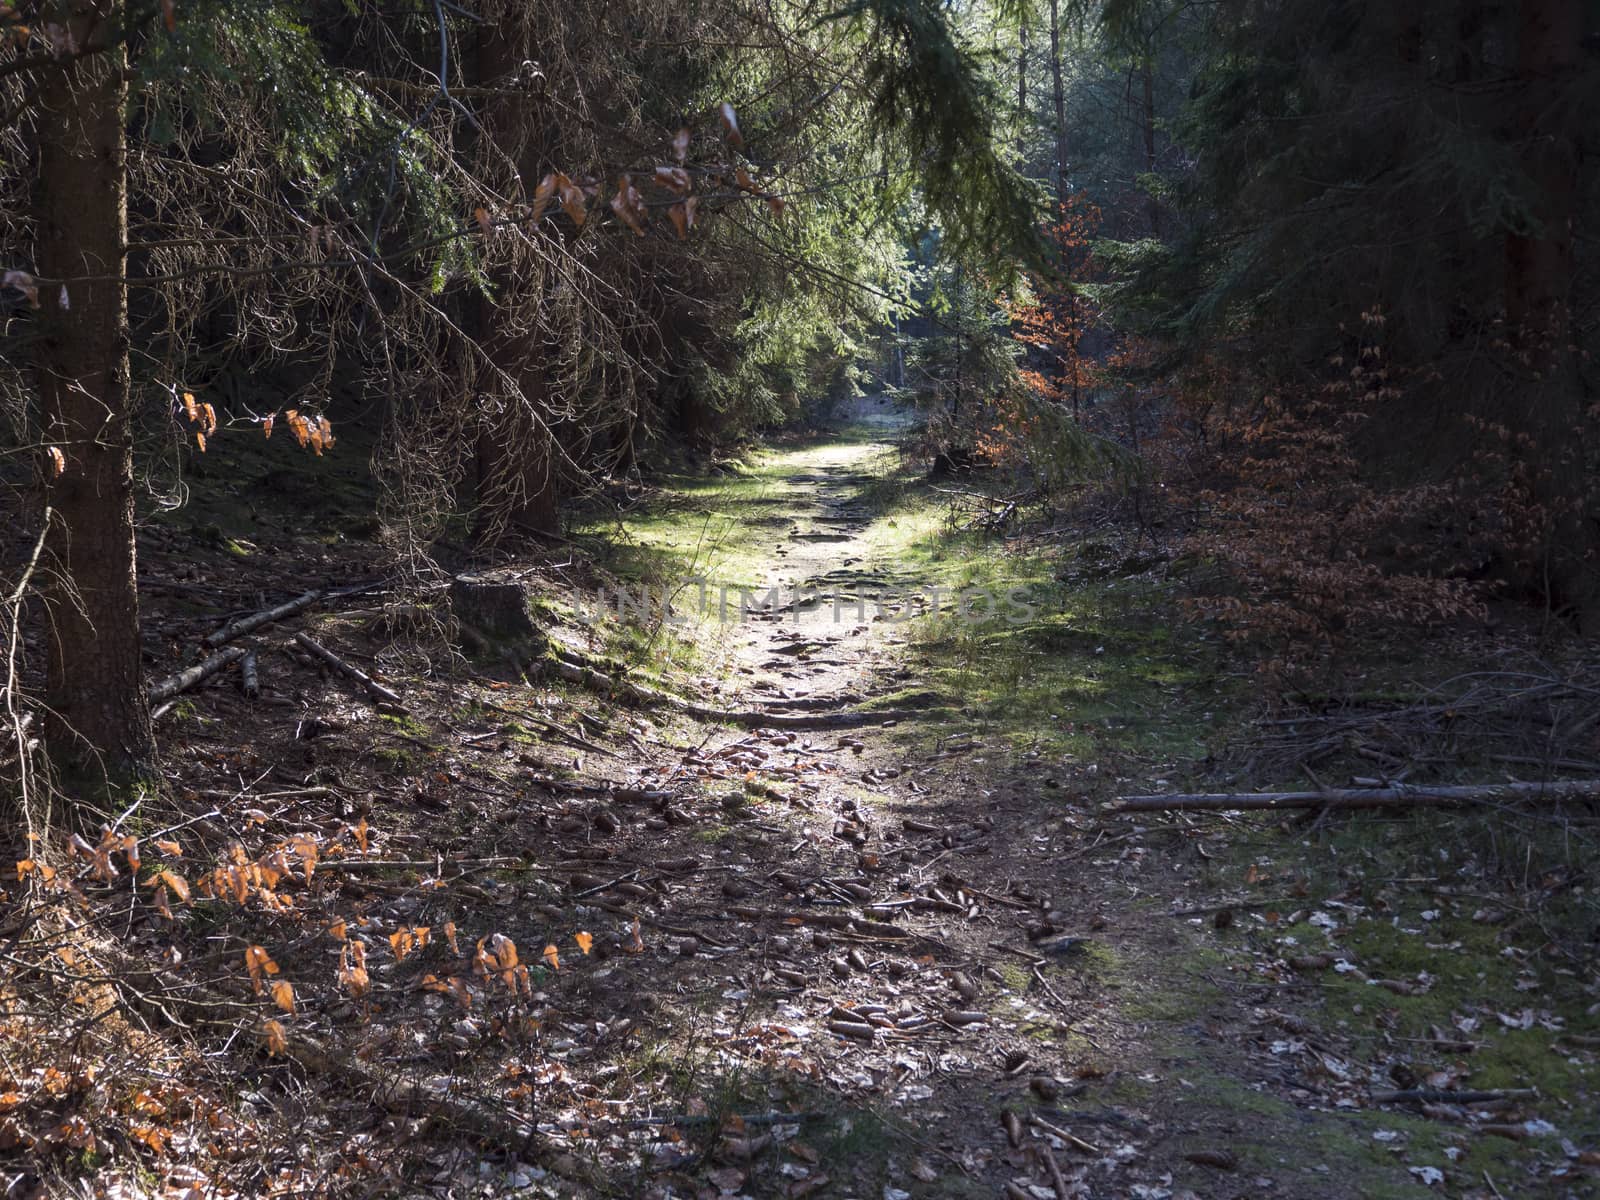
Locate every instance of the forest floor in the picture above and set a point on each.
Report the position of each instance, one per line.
(888, 936)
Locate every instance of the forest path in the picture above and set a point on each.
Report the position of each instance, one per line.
(921, 932)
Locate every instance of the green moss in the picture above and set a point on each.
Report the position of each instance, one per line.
(394, 760)
(1017, 979)
(405, 724)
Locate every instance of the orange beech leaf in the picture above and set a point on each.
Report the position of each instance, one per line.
(730, 123)
(257, 961)
(450, 936)
(327, 431)
(283, 995)
(542, 195)
(58, 461)
(481, 216)
(505, 950)
(460, 990)
(337, 930)
(168, 846)
(673, 178)
(169, 881)
(637, 945)
(775, 203)
(306, 848)
(149, 1135)
(585, 941)
(200, 440)
(211, 419)
(629, 205)
(572, 200)
(189, 408)
(680, 220)
(146, 1103)
(742, 178)
(277, 1038)
(553, 957)
(353, 967)
(266, 424)
(360, 832)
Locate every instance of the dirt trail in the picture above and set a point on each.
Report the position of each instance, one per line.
(978, 979)
(934, 942)
(831, 610)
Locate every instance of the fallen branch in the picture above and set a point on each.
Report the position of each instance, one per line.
(1445, 1096)
(244, 625)
(1395, 796)
(604, 791)
(250, 675)
(333, 660)
(581, 742)
(165, 689)
(1071, 1139)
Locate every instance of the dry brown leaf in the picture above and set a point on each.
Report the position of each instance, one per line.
(674, 179)
(730, 124)
(629, 205)
(283, 994)
(277, 1039)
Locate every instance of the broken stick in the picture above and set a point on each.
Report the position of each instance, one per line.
(373, 687)
(244, 625)
(165, 689)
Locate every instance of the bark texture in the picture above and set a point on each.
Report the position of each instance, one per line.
(518, 484)
(98, 715)
(1539, 269)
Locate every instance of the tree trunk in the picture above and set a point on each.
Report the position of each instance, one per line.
(517, 482)
(1062, 194)
(1060, 98)
(1153, 204)
(1539, 268)
(1022, 94)
(517, 452)
(98, 719)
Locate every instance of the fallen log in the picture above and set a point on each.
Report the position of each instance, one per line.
(1449, 1096)
(373, 687)
(244, 625)
(165, 689)
(1394, 796)
(250, 675)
